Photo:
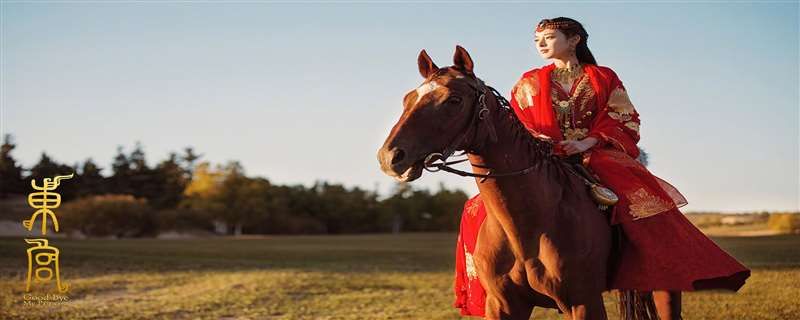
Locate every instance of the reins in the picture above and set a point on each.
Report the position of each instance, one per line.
(480, 116)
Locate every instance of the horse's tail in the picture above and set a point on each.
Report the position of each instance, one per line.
(636, 305)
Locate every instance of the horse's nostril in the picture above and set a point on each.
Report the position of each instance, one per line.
(399, 155)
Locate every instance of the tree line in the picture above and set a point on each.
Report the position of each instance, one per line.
(182, 192)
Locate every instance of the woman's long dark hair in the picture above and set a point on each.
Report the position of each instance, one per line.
(582, 49)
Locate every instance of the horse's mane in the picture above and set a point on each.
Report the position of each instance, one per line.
(541, 148)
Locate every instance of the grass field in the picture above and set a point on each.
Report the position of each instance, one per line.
(405, 276)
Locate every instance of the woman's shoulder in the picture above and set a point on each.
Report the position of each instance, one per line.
(527, 77)
(530, 73)
(535, 70)
(605, 71)
(530, 77)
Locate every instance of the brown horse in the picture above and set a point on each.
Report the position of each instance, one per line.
(544, 241)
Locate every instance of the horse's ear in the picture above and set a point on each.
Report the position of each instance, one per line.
(462, 60)
(426, 65)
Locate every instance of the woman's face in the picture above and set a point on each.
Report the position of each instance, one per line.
(553, 44)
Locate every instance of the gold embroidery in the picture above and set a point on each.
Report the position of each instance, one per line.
(472, 209)
(643, 204)
(585, 92)
(575, 134)
(561, 107)
(568, 111)
(619, 117)
(633, 126)
(526, 89)
(619, 101)
(472, 273)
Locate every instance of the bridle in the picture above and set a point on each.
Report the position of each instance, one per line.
(478, 117)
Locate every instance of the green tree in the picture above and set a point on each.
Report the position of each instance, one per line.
(188, 159)
(121, 173)
(290, 210)
(90, 181)
(228, 195)
(343, 210)
(643, 157)
(170, 180)
(446, 208)
(142, 178)
(11, 181)
(242, 197)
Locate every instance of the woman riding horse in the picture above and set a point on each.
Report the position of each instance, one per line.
(584, 109)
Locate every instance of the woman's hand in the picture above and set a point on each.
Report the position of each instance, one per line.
(571, 147)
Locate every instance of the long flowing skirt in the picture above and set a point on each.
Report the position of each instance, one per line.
(660, 252)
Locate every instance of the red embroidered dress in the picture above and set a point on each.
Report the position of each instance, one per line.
(660, 249)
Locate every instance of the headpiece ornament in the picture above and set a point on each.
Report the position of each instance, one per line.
(549, 24)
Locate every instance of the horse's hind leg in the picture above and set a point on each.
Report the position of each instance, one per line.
(668, 304)
(594, 309)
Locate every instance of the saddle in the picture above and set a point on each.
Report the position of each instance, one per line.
(604, 197)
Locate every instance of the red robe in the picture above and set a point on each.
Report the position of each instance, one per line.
(659, 248)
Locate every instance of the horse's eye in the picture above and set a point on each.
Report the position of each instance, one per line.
(454, 100)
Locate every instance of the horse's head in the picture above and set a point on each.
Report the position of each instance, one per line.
(436, 116)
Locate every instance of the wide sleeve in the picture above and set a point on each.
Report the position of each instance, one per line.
(523, 95)
(617, 123)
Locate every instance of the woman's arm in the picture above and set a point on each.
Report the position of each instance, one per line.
(617, 123)
(522, 97)
(591, 141)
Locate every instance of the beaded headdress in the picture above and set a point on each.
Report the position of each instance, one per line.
(549, 24)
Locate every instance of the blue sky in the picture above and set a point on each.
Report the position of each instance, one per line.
(300, 92)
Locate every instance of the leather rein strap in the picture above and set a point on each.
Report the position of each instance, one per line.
(478, 118)
(474, 124)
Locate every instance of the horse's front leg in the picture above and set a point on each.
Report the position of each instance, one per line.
(509, 304)
(502, 277)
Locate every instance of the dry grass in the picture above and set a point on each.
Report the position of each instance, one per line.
(326, 277)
